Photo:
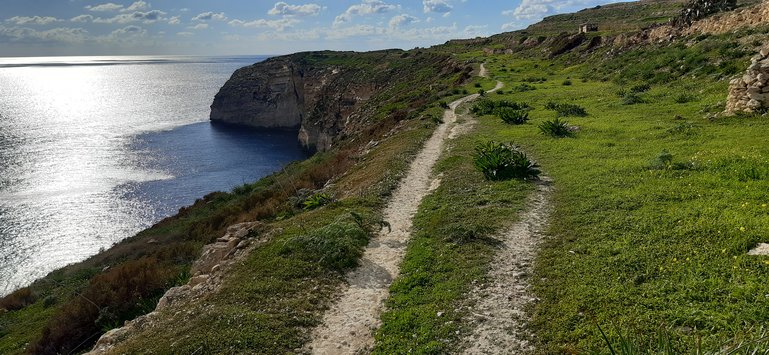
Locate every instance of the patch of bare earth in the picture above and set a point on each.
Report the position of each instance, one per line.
(498, 317)
(348, 327)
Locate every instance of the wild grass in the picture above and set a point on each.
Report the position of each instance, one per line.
(655, 216)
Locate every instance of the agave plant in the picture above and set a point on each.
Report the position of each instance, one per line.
(512, 116)
(499, 161)
(556, 128)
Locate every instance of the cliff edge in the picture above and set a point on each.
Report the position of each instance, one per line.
(323, 95)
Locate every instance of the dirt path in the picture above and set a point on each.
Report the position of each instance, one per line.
(499, 314)
(348, 326)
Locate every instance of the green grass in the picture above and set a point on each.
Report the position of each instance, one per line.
(634, 247)
(451, 247)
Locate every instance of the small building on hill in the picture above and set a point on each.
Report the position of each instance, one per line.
(588, 27)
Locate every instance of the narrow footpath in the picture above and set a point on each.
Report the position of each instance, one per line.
(499, 316)
(348, 326)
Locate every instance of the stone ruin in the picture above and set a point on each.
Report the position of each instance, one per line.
(750, 93)
(698, 9)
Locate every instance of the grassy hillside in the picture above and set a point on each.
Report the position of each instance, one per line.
(70, 308)
(657, 202)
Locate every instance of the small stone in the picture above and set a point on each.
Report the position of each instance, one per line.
(764, 52)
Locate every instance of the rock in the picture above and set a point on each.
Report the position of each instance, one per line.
(750, 92)
(195, 280)
(171, 296)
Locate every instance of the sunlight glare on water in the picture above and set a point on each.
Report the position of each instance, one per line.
(94, 150)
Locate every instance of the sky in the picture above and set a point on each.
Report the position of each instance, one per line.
(255, 27)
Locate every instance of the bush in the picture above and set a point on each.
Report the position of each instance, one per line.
(499, 161)
(18, 299)
(317, 200)
(512, 116)
(443, 105)
(336, 246)
(533, 79)
(684, 98)
(481, 92)
(119, 294)
(523, 87)
(477, 85)
(488, 107)
(566, 83)
(632, 99)
(566, 109)
(556, 128)
(640, 88)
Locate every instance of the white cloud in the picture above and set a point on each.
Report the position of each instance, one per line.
(354, 31)
(137, 6)
(108, 7)
(82, 18)
(207, 16)
(200, 26)
(367, 7)
(402, 20)
(439, 6)
(538, 9)
(62, 34)
(146, 17)
(279, 25)
(281, 8)
(34, 20)
(129, 31)
(476, 30)
(185, 34)
(174, 20)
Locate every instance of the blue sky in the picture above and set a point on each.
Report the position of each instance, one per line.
(116, 27)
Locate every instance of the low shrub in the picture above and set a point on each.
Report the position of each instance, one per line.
(512, 116)
(664, 161)
(488, 107)
(684, 98)
(317, 200)
(632, 99)
(18, 299)
(499, 161)
(119, 294)
(566, 83)
(336, 246)
(523, 88)
(640, 88)
(443, 105)
(533, 79)
(564, 110)
(556, 128)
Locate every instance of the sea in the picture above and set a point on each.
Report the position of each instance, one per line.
(96, 149)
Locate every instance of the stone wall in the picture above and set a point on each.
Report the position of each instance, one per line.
(750, 93)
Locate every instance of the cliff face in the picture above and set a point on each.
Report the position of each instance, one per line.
(268, 95)
(290, 92)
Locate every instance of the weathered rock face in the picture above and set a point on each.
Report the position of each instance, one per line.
(287, 92)
(750, 93)
(269, 95)
(698, 9)
(332, 96)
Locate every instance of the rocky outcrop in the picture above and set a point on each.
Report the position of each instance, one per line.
(207, 274)
(750, 93)
(293, 92)
(329, 96)
(699, 9)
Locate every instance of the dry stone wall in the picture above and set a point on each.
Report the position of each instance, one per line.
(750, 93)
